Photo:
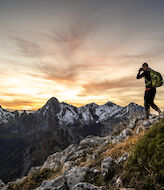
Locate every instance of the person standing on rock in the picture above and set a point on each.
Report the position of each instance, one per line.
(153, 79)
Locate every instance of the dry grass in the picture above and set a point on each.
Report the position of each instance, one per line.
(126, 146)
(113, 150)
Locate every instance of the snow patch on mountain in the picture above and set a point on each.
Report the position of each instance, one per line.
(67, 114)
(104, 111)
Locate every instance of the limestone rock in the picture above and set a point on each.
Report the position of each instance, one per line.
(122, 158)
(106, 165)
(139, 129)
(125, 133)
(132, 123)
(53, 161)
(75, 175)
(34, 169)
(86, 186)
(56, 184)
(90, 141)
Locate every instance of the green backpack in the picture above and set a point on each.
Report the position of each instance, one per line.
(156, 78)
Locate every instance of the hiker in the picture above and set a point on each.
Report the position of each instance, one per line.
(151, 79)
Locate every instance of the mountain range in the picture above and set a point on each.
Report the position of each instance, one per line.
(26, 139)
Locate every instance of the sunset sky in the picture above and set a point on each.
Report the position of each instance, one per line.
(79, 51)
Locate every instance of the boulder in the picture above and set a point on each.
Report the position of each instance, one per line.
(90, 142)
(106, 165)
(132, 123)
(125, 133)
(107, 140)
(116, 140)
(86, 186)
(68, 152)
(57, 184)
(147, 124)
(53, 161)
(75, 175)
(68, 180)
(121, 136)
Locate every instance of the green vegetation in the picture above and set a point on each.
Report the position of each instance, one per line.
(32, 181)
(145, 167)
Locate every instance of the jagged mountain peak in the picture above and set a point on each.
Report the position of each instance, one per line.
(52, 101)
(68, 105)
(52, 104)
(93, 104)
(133, 104)
(110, 104)
(64, 103)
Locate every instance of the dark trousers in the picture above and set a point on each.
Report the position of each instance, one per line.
(149, 100)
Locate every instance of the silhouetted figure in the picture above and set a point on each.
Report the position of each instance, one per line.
(150, 90)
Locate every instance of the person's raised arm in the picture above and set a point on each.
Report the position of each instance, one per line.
(140, 75)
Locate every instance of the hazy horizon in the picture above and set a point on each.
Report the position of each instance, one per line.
(79, 52)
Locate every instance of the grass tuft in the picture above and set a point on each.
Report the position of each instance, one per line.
(144, 169)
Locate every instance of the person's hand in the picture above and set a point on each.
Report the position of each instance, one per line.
(140, 70)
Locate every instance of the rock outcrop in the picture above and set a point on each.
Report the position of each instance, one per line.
(106, 165)
(57, 184)
(86, 186)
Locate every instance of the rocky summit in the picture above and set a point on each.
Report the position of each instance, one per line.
(98, 163)
(27, 139)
